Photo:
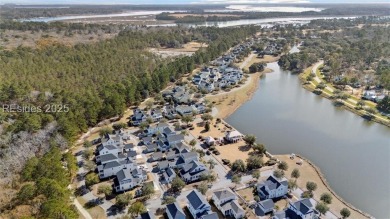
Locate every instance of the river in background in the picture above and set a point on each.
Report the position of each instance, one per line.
(353, 154)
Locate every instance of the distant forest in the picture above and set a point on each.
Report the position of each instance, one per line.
(346, 10)
(10, 11)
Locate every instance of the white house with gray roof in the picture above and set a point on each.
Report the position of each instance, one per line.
(226, 202)
(272, 188)
(111, 168)
(127, 179)
(304, 208)
(198, 205)
(174, 211)
(193, 171)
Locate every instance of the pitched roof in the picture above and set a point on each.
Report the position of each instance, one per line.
(129, 146)
(267, 204)
(189, 155)
(107, 157)
(123, 174)
(172, 138)
(211, 215)
(196, 199)
(224, 194)
(111, 164)
(175, 210)
(304, 205)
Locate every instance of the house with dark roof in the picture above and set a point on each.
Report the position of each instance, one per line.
(185, 158)
(157, 156)
(226, 202)
(150, 148)
(171, 155)
(147, 215)
(175, 139)
(272, 188)
(264, 207)
(193, 171)
(127, 179)
(168, 175)
(304, 209)
(198, 205)
(105, 158)
(138, 117)
(128, 147)
(111, 168)
(163, 165)
(174, 211)
(156, 115)
(169, 111)
(147, 140)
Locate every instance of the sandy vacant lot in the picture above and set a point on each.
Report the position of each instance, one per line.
(308, 173)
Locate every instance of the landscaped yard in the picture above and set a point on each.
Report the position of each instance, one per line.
(95, 212)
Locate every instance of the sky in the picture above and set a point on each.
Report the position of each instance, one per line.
(185, 1)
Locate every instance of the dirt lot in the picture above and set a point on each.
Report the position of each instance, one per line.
(255, 59)
(247, 194)
(96, 212)
(308, 173)
(187, 49)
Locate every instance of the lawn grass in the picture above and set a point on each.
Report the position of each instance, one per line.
(96, 212)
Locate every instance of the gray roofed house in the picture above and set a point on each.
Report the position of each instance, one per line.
(171, 155)
(151, 148)
(163, 165)
(127, 179)
(174, 211)
(193, 171)
(210, 215)
(225, 201)
(157, 156)
(197, 204)
(128, 147)
(272, 188)
(304, 208)
(264, 207)
(107, 149)
(105, 158)
(168, 175)
(147, 140)
(184, 110)
(173, 139)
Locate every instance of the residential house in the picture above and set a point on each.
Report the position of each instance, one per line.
(127, 179)
(138, 117)
(193, 171)
(304, 209)
(163, 165)
(175, 139)
(226, 201)
(150, 148)
(128, 147)
(169, 111)
(185, 158)
(168, 175)
(185, 110)
(108, 149)
(272, 188)
(156, 128)
(113, 140)
(111, 168)
(156, 115)
(198, 205)
(157, 156)
(174, 211)
(147, 140)
(233, 136)
(265, 206)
